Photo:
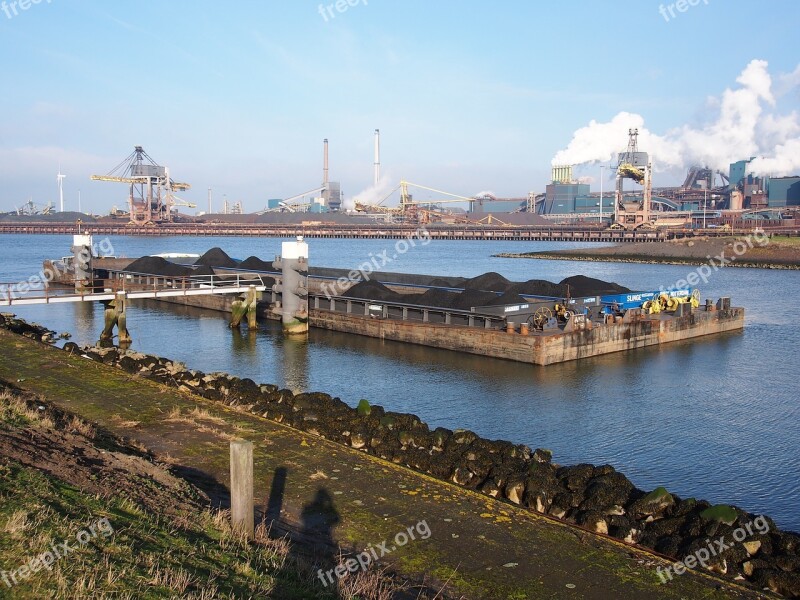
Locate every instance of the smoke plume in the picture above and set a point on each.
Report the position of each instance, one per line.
(745, 125)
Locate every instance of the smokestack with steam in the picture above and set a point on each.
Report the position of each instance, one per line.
(377, 157)
(745, 123)
(325, 162)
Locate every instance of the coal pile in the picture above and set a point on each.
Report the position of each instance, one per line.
(375, 290)
(539, 287)
(253, 263)
(155, 265)
(216, 257)
(580, 285)
(507, 298)
(469, 298)
(205, 270)
(492, 282)
(483, 291)
(434, 297)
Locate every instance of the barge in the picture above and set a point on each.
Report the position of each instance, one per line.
(540, 331)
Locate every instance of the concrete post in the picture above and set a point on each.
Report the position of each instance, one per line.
(242, 517)
(293, 289)
(82, 260)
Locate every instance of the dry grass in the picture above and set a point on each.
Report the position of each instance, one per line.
(13, 404)
(17, 523)
(125, 423)
(78, 425)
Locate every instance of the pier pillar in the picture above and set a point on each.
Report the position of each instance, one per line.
(82, 261)
(115, 315)
(293, 289)
(245, 306)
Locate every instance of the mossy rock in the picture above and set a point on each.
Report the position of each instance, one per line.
(363, 409)
(722, 513)
(659, 495)
(388, 421)
(405, 438)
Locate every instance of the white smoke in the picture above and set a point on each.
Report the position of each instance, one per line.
(745, 125)
(372, 195)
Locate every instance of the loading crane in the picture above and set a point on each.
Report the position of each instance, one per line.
(151, 195)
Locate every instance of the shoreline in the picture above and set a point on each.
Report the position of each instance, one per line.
(644, 260)
(755, 251)
(596, 499)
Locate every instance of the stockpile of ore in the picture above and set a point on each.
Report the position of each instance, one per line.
(489, 289)
(597, 498)
(203, 266)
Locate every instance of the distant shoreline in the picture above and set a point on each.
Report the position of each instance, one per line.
(645, 260)
(742, 252)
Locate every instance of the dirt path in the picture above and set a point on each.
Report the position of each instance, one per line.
(332, 494)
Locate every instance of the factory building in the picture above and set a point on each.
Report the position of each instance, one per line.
(783, 191)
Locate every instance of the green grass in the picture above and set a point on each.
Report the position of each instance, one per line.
(146, 556)
(785, 240)
(191, 553)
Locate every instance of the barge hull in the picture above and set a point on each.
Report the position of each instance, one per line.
(539, 349)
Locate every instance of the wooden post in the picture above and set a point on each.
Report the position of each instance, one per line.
(242, 487)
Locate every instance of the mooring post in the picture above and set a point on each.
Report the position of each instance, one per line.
(252, 300)
(122, 318)
(242, 487)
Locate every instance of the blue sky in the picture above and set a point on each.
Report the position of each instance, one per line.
(469, 96)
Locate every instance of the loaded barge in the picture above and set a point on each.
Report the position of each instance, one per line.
(535, 329)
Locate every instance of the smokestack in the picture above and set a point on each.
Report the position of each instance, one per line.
(377, 156)
(325, 163)
(209, 200)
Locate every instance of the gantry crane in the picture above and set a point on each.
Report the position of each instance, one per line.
(151, 198)
(637, 167)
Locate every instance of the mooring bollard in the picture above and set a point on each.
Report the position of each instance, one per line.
(242, 487)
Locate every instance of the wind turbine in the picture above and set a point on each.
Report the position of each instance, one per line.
(60, 179)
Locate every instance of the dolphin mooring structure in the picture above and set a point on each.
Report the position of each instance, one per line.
(293, 289)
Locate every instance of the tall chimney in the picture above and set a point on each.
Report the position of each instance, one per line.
(377, 157)
(209, 201)
(325, 163)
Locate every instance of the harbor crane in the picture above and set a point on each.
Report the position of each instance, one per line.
(636, 166)
(152, 196)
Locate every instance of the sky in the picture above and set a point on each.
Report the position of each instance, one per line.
(469, 96)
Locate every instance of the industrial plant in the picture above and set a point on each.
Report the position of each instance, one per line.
(707, 198)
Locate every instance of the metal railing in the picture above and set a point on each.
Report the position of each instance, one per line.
(136, 285)
(405, 312)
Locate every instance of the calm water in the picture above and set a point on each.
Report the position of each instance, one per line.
(716, 418)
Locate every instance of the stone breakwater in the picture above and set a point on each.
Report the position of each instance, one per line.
(597, 498)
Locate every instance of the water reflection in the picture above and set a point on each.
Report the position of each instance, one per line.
(295, 363)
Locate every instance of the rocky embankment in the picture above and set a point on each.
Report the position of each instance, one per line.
(597, 498)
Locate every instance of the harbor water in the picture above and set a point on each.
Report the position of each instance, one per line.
(714, 418)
